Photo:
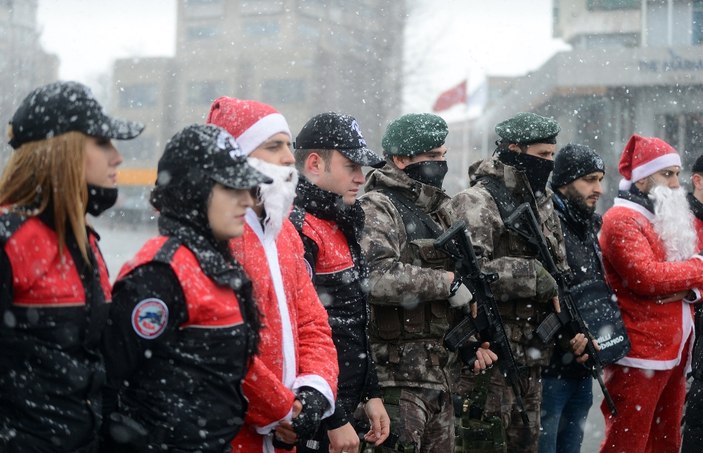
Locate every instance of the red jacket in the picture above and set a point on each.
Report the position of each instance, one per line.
(296, 346)
(636, 268)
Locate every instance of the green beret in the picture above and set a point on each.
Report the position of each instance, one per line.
(526, 128)
(413, 134)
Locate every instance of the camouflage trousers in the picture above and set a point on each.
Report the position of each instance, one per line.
(422, 418)
(500, 402)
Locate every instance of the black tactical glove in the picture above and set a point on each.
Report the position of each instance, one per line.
(546, 285)
(314, 404)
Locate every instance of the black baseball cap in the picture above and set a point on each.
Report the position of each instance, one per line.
(61, 107)
(207, 151)
(340, 132)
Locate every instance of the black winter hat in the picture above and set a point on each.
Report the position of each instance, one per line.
(204, 151)
(698, 166)
(574, 161)
(61, 107)
(340, 132)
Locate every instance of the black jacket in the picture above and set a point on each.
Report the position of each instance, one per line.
(182, 385)
(344, 293)
(51, 370)
(584, 257)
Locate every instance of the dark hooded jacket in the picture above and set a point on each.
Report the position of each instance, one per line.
(585, 261)
(178, 380)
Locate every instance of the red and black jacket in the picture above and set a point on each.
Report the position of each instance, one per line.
(331, 232)
(54, 307)
(178, 346)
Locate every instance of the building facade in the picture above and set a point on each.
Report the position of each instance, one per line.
(24, 65)
(302, 56)
(636, 66)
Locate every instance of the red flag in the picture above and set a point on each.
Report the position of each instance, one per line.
(451, 97)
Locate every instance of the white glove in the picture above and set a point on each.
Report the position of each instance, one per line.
(460, 295)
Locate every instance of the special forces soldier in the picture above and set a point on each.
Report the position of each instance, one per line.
(525, 291)
(410, 281)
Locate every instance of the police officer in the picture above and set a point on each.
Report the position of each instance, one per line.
(330, 153)
(412, 296)
(517, 173)
(183, 322)
(54, 286)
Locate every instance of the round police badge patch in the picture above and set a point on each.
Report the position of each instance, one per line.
(149, 318)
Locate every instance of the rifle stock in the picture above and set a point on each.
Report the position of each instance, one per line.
(488, 324)
(523, 222)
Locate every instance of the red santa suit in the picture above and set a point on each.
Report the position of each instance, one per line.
(647, 385)
(296, 348)
(296, 345)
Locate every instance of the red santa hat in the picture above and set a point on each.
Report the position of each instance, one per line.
(250, 122)
(644, 156)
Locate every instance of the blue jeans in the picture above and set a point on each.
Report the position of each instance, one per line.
(565, 405)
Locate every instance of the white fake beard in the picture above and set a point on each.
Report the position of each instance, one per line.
(278, 196)
(673, 222)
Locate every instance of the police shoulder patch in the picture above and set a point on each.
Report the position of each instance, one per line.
(149, 318)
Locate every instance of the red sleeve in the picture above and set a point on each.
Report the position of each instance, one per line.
(269, 400)
(626, 248)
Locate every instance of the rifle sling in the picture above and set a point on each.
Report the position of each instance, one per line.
(410, 213)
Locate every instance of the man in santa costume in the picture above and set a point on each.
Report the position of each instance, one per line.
(651, 262)
(292, 382)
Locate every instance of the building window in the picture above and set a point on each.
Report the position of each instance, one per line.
(283, 91)
(261, 29)
(203, 92)
(202, 32)
(138, 96)
(683, 131)
(612, 4)
(256, 7)
(697, 25)
(204, 8)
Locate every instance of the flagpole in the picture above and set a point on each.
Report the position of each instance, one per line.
(466, 149)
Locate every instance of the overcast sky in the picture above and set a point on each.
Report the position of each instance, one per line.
(447, 41)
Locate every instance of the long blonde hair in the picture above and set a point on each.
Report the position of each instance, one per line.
(50, 172)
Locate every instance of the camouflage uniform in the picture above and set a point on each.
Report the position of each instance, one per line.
(410, 311)
(515, 263)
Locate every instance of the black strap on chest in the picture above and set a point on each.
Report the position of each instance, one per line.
(426, 228)
(506, 202)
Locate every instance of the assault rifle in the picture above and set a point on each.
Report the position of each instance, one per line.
(488, 324)
(524, 223)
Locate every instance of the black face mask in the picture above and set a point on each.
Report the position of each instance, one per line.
(430, 172)
(100, 199)
(536, 169)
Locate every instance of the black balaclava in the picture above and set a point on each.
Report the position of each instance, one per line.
(430, 172)
(100, 199)
(536, 168)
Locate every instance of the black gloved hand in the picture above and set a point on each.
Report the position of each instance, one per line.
(278, 443)
(314, 404)
(546, 286)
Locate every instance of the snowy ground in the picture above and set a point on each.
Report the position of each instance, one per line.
(119, 242)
